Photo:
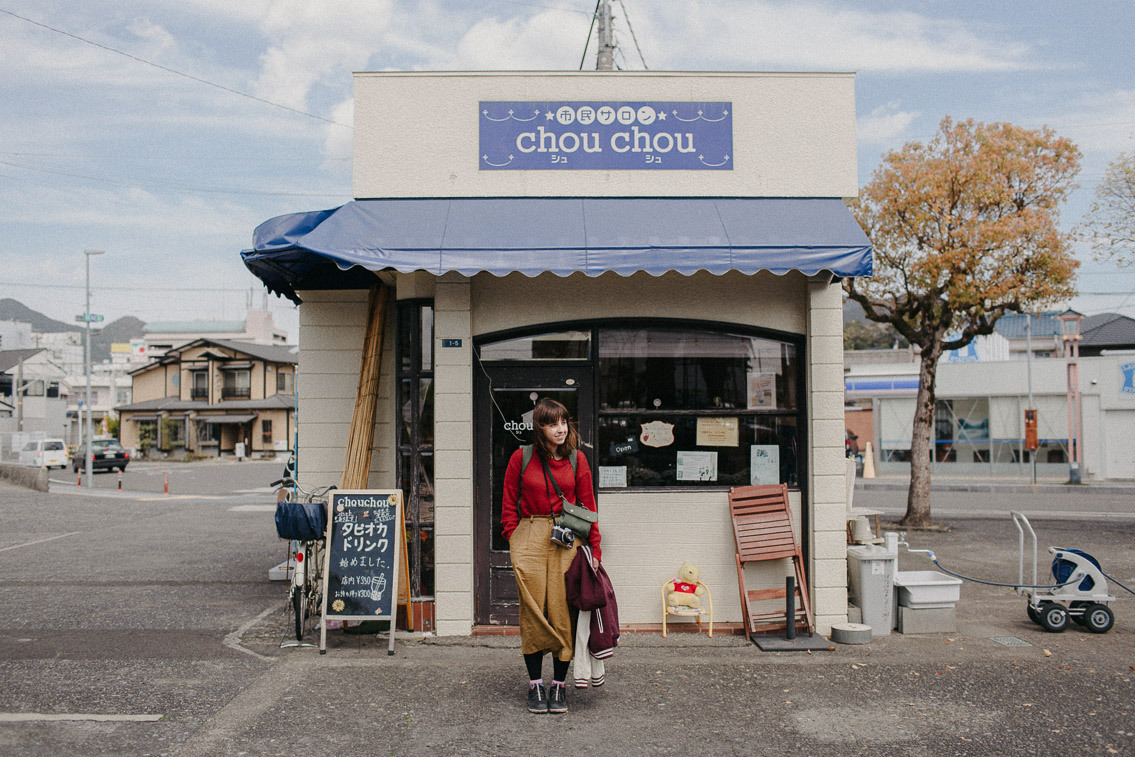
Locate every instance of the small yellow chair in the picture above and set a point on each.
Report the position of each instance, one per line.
(688, 612)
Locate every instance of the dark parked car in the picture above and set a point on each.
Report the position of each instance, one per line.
(106, 454)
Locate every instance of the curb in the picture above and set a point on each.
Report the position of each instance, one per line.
(1006, 488)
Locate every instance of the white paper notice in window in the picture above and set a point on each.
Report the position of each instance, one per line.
(612, 476)
(717, 432)
(762, 390)
(697, 466)
(764, 464)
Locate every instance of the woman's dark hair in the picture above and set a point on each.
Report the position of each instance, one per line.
(549, 412)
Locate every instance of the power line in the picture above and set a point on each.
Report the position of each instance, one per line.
(627, 18)
(167, 69)
(147, 288)
(168, 187)
(590, 29)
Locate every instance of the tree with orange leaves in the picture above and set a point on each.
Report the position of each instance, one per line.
(964, 230)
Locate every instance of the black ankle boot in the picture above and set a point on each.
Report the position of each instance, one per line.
(537, 699)
(557, 698)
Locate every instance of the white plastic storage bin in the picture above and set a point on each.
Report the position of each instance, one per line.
(927, 589)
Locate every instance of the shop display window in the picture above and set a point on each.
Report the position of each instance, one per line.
(693, 407)
(676, 405)
(415, 438)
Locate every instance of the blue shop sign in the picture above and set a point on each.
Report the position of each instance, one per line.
(1128, 373)
(600, 135)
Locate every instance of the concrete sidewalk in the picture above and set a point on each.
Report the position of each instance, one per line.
(999, 684)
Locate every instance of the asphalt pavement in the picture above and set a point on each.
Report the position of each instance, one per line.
(144, 625)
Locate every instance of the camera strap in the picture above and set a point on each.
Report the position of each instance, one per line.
(548, 475)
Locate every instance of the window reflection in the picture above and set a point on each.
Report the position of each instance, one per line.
(565, 345)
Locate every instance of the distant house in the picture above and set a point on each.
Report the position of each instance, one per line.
(1110, 332)
(257, 327)
(33, 398)
(210, 395)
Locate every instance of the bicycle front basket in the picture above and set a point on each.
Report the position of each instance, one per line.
(305, 521)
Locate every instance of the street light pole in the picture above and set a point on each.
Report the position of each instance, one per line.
(1070, 328)
(87, 318)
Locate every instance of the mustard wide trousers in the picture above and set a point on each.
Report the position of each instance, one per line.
(545, 619)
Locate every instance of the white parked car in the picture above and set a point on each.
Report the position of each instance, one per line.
(45, 453)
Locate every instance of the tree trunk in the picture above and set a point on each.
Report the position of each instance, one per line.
(921, 443)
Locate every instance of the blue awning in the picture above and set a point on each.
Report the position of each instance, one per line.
(335, 248)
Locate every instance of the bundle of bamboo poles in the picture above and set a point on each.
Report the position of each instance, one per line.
(356, 462)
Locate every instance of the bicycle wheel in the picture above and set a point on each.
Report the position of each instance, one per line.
(315, 581)
(299, 609)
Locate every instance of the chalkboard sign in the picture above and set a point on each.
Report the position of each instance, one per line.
(365, 538)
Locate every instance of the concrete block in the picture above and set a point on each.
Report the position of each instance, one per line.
(453, 435)
(827, 405)
(830, 601)
(827, 348)
(454, 492)
(828, 432)
(453, 407)
(453, 464)
(454, 605)
(453, 550)
(453, 627)
(452, 325)
(453, 521)
(830, 545)
(829, 573)
(854, 614)
(927, 620)
(825, 321)
(457, 578)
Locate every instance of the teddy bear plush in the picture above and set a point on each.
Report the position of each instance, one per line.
(684, 590)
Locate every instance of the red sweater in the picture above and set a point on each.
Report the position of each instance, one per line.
(538, 497)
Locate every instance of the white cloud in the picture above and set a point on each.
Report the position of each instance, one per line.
(311, 42)
(884, 124)
(1101, 121)
(548, 40)
(338, 143)
(820, 36)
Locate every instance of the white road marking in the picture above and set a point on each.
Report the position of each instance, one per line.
(253, 509)
(25, 717)
(232, 641)
(39, 541)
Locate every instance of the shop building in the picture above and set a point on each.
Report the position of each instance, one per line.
(660, 252)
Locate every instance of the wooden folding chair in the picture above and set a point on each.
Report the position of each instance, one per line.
(762, 526)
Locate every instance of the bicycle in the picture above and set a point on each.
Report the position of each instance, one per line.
(305, 555)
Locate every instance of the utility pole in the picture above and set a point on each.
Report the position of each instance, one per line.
(87, 318)
(605, 60)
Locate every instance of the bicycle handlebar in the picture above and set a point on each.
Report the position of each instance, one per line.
(318, 491)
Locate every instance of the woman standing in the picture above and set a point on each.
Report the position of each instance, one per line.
(530, 505)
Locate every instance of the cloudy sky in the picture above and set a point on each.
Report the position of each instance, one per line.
(163, 132)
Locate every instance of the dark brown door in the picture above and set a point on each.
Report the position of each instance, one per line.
(505, 398)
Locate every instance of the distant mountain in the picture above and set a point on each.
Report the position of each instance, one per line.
(11, 310)
(121, 330)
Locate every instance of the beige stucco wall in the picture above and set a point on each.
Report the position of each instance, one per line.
(149, 385)
(416, 134)
(453, 457)
(764, 300)
(332, 326)
(827, 464)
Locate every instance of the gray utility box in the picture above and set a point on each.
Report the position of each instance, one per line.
(871, 569)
